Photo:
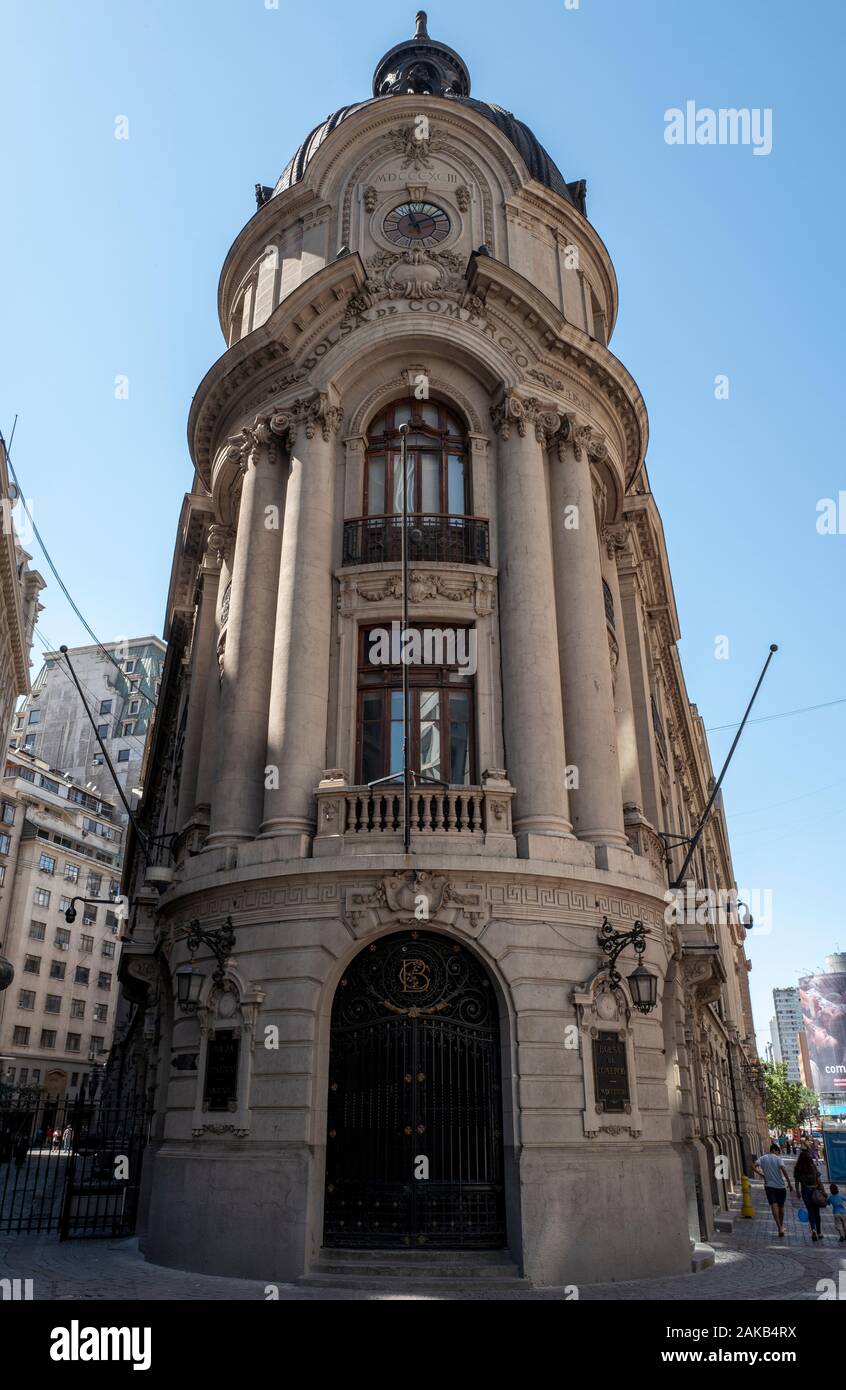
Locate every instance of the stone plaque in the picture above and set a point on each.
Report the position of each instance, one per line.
(221, 1085)
(610, 1072)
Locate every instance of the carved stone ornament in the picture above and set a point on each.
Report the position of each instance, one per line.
(423, 588)
(615, 539)
(414, 899)
(221, 540)
(258, 441)
(312, 413)
(200, 1131)
(463, 198)
(513, 410)
(418, 273)
(417, 151)
(371, 198)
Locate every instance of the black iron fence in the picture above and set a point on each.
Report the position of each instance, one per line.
(461, 540)
(72, 1167)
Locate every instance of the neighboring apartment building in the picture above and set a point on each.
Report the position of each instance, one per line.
(57, 842)
(785, 1029)
(120, 683)
(19, 606)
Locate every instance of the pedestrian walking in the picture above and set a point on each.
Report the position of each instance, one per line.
(776, 1183)
(838, 1206)
(806, 1176)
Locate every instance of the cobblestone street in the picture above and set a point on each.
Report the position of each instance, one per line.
(750, 1263)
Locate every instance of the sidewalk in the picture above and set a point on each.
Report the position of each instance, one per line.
(751, 1263)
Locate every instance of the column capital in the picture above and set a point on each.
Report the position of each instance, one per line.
(260, 440)
(581, 439)
(311, 413)
(219, 544)
(524, 412)
(615, 539)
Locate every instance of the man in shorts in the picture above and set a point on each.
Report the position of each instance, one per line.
(776, 1182)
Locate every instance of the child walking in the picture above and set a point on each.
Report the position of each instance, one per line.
(838, 1208)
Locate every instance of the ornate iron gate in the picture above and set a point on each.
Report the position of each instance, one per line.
(414, 1089)
(69, 1166)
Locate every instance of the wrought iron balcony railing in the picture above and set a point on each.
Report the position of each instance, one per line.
(460, 540)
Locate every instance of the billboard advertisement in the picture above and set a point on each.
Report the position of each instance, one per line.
(823, 1000)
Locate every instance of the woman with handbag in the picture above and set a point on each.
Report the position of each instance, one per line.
(806, 1176)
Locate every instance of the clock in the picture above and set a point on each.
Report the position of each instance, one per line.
(416, 224)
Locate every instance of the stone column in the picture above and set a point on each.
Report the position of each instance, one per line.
(614, 542)
(245, 684)
(636, 646)
(203, 657)
(597, 804)
(299, 704)
(220, 546)
(532, 712)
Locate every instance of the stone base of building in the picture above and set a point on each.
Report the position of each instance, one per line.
(576, 1216)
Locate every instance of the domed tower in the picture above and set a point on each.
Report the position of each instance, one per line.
(413, 1039)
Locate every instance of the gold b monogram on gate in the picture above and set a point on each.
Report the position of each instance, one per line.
(415, 977)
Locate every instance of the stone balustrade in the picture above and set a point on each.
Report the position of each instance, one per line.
(366, 820)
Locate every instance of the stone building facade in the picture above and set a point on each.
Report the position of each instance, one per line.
(120, 683)
(20, 587)
(57, 843)
(423, 262)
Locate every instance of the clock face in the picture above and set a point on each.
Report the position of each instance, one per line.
(416, 224)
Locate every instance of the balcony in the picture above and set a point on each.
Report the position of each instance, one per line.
(448, 820)
(457, 540)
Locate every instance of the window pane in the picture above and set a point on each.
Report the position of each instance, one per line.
(373, 739)
(459, 735)
(430, 734)
(431, 493)
(376, 487)
(396, 500)
(402, 414)
(456, 500)
(396, 732)
(430, 414)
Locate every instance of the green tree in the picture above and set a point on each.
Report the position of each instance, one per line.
(786, 1101)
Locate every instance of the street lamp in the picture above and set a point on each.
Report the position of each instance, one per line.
(643, 985)
(189, 982)
(7, 973)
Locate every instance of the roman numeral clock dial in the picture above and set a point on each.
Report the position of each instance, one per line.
(416, 224)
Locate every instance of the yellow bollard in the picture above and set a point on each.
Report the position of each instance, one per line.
(747, 1208)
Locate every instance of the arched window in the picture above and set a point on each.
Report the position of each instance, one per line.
(443, 528)
(437, 462)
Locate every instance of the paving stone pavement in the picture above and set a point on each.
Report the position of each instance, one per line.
(751, 1263)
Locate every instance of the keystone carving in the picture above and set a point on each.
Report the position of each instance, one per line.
(397, 899)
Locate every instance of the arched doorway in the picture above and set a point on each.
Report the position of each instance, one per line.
(414, 1087)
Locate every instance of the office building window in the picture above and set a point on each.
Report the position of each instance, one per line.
(57, 969)
(26, 998)
(7, 813)
(62, 937)
(86, 945)
(20, 1037)
(101, 1013)
(81, 975)
(48, 1038)
(96, 1043)
(38, 930)
(105, 706)
(103, 730)
(104, 980)
(64, 904)
(41, 897)
(32, 965)
(73, 1042)
(72, 873)
(47, 864)
(108, 948)
(53, 1004)
(5, 842)
(123, 755)
(77, 1008)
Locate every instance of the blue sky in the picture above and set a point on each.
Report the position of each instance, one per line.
(728, 264)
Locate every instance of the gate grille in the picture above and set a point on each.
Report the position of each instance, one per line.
(69, 1167)
(414, 1073)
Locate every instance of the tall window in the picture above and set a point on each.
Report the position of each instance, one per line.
(441, 721)
(437, 462)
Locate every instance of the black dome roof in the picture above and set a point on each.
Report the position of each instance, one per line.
(427, 67)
